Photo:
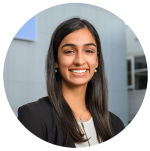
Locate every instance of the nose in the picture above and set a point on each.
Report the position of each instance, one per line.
(79, 59)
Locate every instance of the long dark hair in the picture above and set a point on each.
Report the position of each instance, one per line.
(96, 93)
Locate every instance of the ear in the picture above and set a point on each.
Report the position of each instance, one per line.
(56, 64)
(97, 61)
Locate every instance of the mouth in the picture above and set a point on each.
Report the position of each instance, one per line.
(82, 69)
(79, 73)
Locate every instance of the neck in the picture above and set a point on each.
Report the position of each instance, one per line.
(75, 97)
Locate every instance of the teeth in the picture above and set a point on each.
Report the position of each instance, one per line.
(78, 71)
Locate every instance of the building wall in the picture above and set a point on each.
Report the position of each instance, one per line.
(24, 71)
(132, 42)
(135, 97)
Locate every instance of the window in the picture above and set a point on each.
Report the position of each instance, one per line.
(129, 72)
(137, 73)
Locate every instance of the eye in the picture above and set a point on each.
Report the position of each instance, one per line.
(68, 51)
(86, 50)
(89, 51)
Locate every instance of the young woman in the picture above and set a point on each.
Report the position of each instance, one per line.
(75, 112)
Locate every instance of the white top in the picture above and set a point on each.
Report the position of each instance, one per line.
(90, 132)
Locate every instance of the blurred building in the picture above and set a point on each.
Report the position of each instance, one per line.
(136, 72)
(24, 70)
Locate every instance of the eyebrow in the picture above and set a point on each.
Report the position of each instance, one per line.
(73, 45)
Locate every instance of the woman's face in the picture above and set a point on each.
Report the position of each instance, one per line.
(77, 57)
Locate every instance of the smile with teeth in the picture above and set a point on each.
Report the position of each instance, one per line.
(78, 71)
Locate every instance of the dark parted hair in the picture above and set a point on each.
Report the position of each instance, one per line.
(96, 93)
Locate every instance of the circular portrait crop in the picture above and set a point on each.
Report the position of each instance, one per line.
(75, 75)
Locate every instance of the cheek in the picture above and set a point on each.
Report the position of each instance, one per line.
(67, 62)
(92, 62)
(64, 63)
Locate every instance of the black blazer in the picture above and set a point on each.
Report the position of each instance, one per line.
(39, 118)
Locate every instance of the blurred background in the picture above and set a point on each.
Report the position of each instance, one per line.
(125, 63)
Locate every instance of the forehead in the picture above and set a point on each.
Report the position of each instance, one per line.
(79, 37)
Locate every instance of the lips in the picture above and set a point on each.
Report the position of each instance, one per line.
(78, 69)
(82, 74)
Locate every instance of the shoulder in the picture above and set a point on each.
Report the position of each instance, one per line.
(37, 106)
(116, 123)
(38, 117)
(40, 111)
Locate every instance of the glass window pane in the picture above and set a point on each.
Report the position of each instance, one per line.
(129, 72)
(141, 80)
(140, 62)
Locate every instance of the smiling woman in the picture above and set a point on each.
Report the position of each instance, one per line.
(78, 92)
(75, 112)
(77, 58)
